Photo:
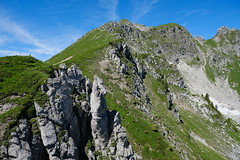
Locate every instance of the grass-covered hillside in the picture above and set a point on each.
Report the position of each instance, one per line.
(20, 81)
(84, 52)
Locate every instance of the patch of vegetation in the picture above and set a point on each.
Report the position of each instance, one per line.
(209, 72)
(21, 78)
(114, 143)
(195, 61)
(143, 56)
(82, 97)
(61, 134)
(13, 113)
(115, 42)
(97, 153)
(232, 130)
(89, 145)
(169, 25)
(160, 85)
(34, 127)
(22, 75)
(41, 98)
(10, 127)
(211, 43)
(233, 76)
(216, 114)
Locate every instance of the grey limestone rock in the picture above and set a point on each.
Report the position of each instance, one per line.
(19, 147)
(99, 122)
(47, 132)
(121, 147)
(74, 113)
(223, 30)
(6, 107)
(57, 120)
(137, 71)
(123, 69)
(107, 131)
(200, 39)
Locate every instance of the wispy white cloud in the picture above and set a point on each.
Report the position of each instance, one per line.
(111, 7)
(22, 35)
(142, 8)
(184, 24)
(17, 39)
(196, 11)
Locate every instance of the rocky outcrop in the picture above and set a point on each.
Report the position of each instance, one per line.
(121, 55)
(109, 136)
(57, 119)
(6, 107)
(74, 113)
(99, 122)
(19, 147)
(225, 30)
(119, 144)
(24, 145)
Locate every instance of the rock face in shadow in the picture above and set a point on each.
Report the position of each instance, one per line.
(72, 123)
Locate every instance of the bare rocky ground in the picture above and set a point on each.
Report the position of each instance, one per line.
(220, 93)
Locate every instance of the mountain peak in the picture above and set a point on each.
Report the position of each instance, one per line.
(178, 97)
(225, 30)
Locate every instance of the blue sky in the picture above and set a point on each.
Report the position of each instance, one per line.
(43, 28)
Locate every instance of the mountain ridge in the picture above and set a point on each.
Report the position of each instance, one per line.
(149, 74)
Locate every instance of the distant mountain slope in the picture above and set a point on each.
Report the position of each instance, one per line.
(177, 96)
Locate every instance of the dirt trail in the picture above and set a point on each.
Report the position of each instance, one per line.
(64, 60)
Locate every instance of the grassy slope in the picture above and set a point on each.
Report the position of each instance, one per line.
(209, 72)
(192, 123)
(86, 51)
(144, 136)
(21, 78)
(233, 76)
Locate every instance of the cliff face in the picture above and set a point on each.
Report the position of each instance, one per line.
(177, 96)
